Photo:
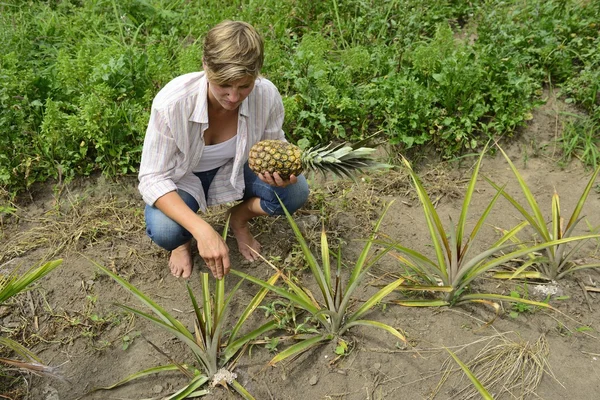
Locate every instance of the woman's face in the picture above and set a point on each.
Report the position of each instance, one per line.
(229, 96)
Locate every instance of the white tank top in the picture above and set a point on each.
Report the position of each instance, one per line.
(216, 155)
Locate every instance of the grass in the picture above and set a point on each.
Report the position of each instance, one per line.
(74, 220)
(507, 367)
(580, 140)
(79, 77)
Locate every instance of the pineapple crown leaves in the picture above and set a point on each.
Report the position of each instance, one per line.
(344, 153)
(342, 160)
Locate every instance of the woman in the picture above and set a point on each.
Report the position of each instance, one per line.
(195, 153)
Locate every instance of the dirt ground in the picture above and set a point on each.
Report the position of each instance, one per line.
(70, 319)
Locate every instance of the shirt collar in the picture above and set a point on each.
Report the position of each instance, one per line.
(200, 113)
(244, 106)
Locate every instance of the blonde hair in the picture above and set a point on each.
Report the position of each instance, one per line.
(233, 50)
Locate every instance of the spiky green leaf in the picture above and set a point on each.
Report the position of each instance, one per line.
(482, 390)
(300, 347)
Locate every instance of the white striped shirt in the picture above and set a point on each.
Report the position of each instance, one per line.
(174, 139)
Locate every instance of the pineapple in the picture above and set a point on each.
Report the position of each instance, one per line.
(288, 159)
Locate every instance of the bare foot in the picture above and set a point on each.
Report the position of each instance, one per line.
(245, 240)
(180, 262)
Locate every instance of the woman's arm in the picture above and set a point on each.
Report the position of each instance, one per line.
(158, 162)
(276, 112)
(158, 189)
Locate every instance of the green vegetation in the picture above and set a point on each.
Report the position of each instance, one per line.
(454, 267)
(334, 317)
(559, 259)
(11, 284)
(78, 77)
(213, 350)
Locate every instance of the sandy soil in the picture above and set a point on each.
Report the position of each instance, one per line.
(71, 322)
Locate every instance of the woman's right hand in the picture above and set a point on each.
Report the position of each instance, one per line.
(275, 180)
(213, 250)
(211, 246)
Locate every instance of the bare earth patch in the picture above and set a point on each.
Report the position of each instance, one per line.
(70, 320)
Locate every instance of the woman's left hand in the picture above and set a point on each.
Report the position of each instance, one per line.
(275, 180)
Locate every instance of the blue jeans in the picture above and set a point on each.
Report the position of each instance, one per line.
(169, 235)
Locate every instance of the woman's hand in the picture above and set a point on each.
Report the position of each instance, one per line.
(275, 180)
(211, 246)
(213, 250)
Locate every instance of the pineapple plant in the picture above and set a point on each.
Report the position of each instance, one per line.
(288, 159)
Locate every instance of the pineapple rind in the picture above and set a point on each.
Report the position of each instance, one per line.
(275, 156)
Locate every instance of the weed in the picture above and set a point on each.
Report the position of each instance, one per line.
(562, 330)
(519, 308)
(271, 344)
(6, 211)
(127, 340)
(284, 314)
(342, 348)
(583, 328)
(579, 139)
(76, 94)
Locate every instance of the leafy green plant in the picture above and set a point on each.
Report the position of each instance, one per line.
(78, 78)
(271, 344)
(342, 348)
(6, 210)
(579, 139)
(454, 269)
(11, 284)
(284, 313)
(128, 340)
(334, 316)
(212, 349)
(558, 260)
(519, 308)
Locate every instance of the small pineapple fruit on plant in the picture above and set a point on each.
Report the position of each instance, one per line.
(288, 159)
